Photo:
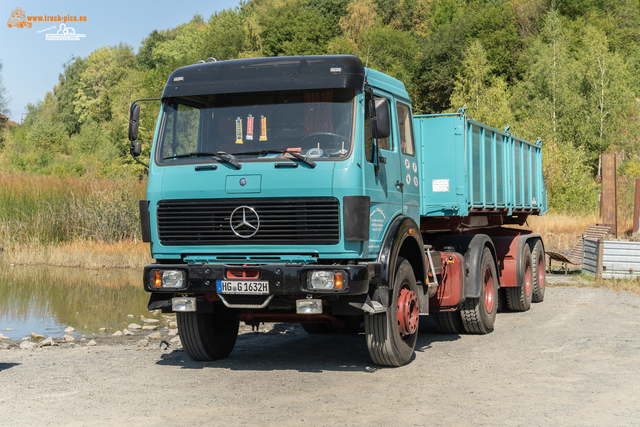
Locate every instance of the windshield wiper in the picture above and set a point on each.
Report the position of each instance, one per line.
(265, 152)
(221, 155)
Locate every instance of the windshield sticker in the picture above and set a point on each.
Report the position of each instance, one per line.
(263, 128)
(250, 128)
(343, 151)
(292, 150)
(314, 153)
(239, 131)
(407, 164)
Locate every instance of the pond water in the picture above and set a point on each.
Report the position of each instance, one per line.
(46, 300)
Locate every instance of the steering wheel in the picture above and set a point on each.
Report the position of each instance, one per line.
(334, 141)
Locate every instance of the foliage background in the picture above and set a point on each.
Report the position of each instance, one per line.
(567, 71)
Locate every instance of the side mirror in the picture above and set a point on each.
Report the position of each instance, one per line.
(382, 119)
(134, 119)
(135, 148)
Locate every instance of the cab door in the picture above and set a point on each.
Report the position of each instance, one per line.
(409, 161)
(382, 184)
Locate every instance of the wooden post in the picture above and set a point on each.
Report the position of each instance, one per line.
(600, 255)
(636, 208)
(609, 193)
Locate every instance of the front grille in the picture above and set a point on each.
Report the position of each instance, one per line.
(300, 221)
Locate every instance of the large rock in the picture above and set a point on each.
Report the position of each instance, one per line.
(35, 336)
(69, 330)
(117, 334)
(173, 324)
(173, 332)
(92, 343)
(27, 345)
(127, 332)
(134, 327)
(143, 343)
(155, 336)
(2, 337)
(150, 328)
(47, 343)
(68, 338)
(151, 321)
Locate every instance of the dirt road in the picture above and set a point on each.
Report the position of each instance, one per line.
(571, 360)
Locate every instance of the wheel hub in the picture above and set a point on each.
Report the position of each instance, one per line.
(407, 312)
(488, 290)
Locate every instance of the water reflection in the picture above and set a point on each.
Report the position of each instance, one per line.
(46, 300)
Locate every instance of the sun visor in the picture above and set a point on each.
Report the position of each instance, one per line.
(267, 74)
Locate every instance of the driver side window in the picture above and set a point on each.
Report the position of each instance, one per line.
(383, 143)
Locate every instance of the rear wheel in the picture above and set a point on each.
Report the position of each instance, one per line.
(208, 336)
(392, 336)
(538, 259)
(479, 314)
(448, 322)
(519, 298)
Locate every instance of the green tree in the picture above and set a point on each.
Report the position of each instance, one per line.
(486, 96)
(440, 61)
(609, 103)
(287, 28)
(225, 35)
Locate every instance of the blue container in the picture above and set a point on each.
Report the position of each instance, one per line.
(469, 167)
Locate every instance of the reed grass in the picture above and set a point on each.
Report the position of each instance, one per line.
(52, 210)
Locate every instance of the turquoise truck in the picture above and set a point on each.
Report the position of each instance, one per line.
(304, 190)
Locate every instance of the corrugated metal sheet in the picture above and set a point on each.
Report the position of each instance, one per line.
(620, 260)
(590, 256)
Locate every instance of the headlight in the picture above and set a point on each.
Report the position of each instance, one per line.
(326, 280)
(172, 279)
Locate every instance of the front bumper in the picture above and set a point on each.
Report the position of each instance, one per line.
(284, 279)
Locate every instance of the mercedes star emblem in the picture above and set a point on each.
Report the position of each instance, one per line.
(244, 221)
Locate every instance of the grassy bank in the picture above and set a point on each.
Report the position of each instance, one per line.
(71, 222)
(48, 210)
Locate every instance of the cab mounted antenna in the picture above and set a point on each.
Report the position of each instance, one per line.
(366, 65)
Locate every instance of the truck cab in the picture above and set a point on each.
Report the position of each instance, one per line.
(282, 189)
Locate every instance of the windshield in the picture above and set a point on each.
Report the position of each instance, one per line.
(317, 124)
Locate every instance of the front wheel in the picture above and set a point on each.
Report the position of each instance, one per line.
(392, 336)
(208, 336)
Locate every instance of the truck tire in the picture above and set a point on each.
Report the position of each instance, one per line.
(539, 268)
(392, 336)
(448, 322)
(208, 336)
(519, 297)
(479, 314)
(315, 328)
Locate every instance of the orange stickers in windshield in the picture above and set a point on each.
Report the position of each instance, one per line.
(263, 128)
(250, 128)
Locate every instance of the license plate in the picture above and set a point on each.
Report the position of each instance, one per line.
(246, 287)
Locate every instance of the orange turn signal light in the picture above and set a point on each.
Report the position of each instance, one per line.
(158, 282)
(338, 280)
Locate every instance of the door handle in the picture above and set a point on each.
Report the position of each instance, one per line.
(399, 185)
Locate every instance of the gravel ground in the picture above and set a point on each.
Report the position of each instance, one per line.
(571, 360)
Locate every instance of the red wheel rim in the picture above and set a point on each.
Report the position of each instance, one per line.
(528, 278)
(489, 295)
(541, 272)
(407, 312)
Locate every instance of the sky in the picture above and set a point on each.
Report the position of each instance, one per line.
(31, 63)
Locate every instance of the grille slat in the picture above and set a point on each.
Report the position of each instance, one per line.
(302, 221)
